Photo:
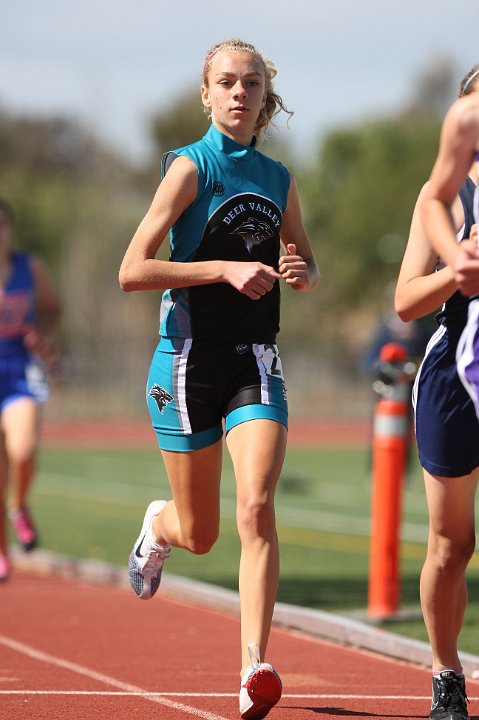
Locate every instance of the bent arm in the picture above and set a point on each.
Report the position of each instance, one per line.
(459, 139)
(419, 289)
(40, 338)
(140, 270)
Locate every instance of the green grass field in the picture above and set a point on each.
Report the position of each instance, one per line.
(90, 503)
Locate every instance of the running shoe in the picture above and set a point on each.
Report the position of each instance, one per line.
(449, 697)
(24, 528)
(147, 557)
(5, 567)
(260, 690)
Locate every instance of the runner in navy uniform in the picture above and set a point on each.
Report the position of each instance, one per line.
(447, 434)
(228, 208)
(459, 148)
(29, 313)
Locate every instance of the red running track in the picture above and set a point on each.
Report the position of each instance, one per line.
(71, 650)
(138, 433)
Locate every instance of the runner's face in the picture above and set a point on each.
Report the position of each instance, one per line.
(235, 93)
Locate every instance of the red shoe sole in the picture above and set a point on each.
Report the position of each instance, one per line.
(264, 688)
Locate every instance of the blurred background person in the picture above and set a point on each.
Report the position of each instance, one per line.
(29, 316)
(412, 335)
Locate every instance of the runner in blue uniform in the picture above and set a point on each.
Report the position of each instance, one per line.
(228, 208)
(447, 433)
(29, 313)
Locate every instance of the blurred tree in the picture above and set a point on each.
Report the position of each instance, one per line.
(433, 91)
(360, 200)
(179, 124)
(358, 196)
(182, 123)
(47, 164)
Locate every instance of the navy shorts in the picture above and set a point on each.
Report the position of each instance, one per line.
(192, 385)
(22, 377)
(447, 429)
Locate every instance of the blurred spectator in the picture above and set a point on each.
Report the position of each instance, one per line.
(29, 315)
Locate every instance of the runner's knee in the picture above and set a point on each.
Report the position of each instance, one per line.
(200, 542)
(452, 555)
(256, 518)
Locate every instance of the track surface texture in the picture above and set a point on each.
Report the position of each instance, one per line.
(80, 651)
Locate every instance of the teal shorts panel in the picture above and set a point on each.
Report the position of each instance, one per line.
(256, 412)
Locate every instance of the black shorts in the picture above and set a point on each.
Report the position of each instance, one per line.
(192, 385)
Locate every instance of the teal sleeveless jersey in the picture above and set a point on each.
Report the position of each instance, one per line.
(236, 215)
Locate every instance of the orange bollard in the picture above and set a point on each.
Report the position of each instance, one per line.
(390, 441)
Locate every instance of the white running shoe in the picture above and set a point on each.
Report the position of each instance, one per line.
(260, 690)
(147, 557)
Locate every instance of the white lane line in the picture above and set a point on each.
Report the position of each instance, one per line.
(106, 679)
(152, 695)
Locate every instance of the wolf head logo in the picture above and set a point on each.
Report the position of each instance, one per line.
(161, 397)
(253, 232)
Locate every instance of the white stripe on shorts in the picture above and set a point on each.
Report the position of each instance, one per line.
(269, 364)
(258, 351)
(181, 387)
(433, 340)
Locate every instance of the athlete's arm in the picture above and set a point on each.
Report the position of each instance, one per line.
(40, 337)
(140, 270)
(419, 289)
(298, 267)
(459, 139)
